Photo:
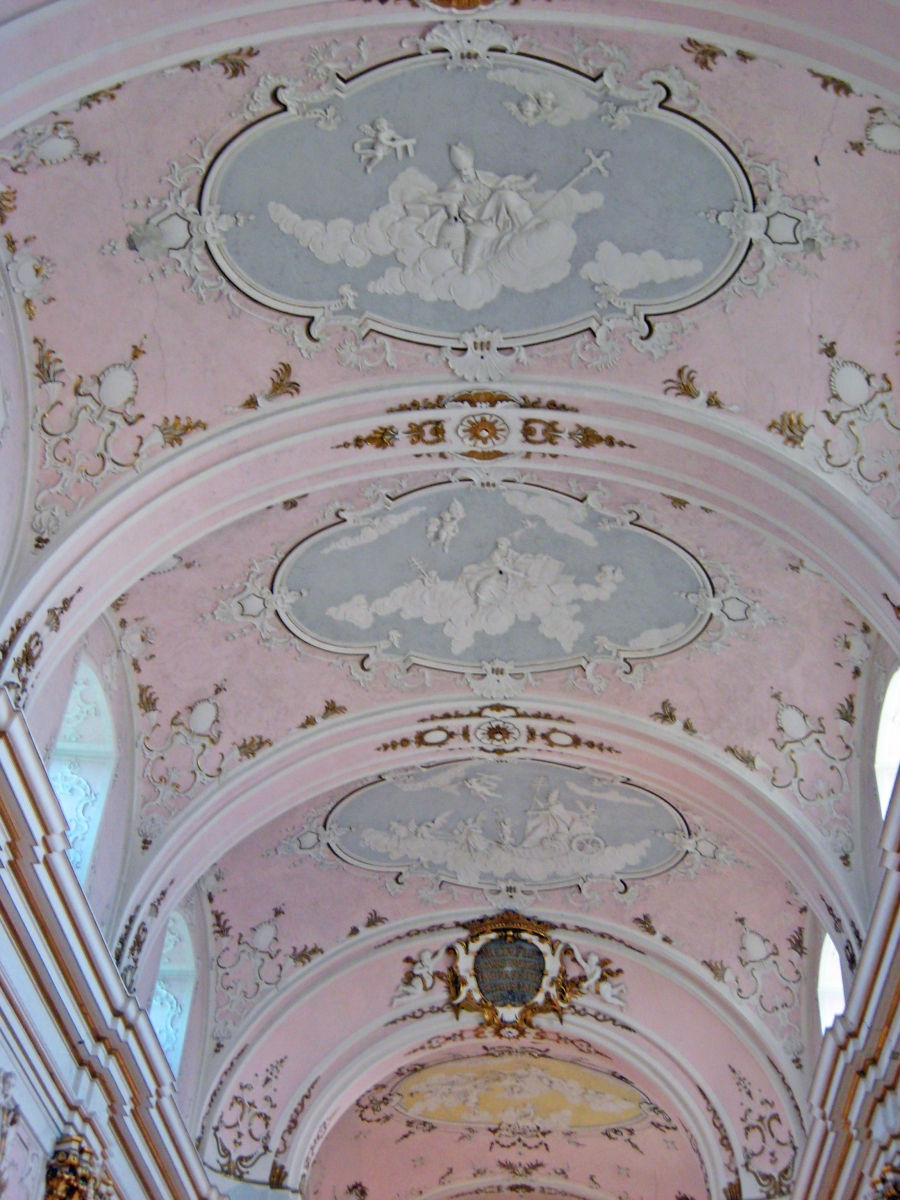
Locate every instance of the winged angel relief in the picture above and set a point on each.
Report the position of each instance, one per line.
(523, 823)
(556, 839)
(464, 242)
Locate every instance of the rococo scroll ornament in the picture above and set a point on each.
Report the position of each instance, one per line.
(856, 432)
(510, 970)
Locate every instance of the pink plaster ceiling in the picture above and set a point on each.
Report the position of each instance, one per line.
(168, 447)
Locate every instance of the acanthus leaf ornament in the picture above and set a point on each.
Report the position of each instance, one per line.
(509, 970)
(248, 965)
(234, 63)
(253, 606)
(28, 272)
(815, 772)
(181, 761)
(812, 767)
(243, 1132)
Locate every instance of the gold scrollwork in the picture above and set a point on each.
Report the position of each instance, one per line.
(532, 974)
(73, 1174)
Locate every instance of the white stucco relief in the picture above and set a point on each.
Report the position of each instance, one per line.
(489, 597)
(554, 834)
(464, 242)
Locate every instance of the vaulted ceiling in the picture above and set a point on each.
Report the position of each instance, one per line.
(462, 438)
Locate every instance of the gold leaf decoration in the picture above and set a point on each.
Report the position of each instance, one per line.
(49, 366)
(425, 433)
(716, 968)
(55, 614)
(331, 709)
(381, 438)
(250, 747)
(7, 203)
(704, 54)
(685, 384)
(541, 433)
(175, 431)
(282, 383)
(584, 437)
(14, 632)
(791, 427)
(829, 82)
(796, 941)
(666, 714)
(304, 956)
(234, 63)
(99, 96)
(743, 756)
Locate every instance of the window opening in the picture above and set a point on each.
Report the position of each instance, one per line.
(887, 746)
(170, 1004)
(831, 983)
(82, 764)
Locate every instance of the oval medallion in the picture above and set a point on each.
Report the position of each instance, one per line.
(524, 1090)
(525, 822)
(519, 196)
(455, 575)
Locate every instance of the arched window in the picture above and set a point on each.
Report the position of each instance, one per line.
(831, 983)
(887, 747)
(82, 764)
(170, 1004)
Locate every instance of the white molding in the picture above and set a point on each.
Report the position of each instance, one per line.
(101, 1067)
(27, 26)
(853, 1099)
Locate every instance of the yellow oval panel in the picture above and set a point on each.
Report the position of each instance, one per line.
(518, 1090)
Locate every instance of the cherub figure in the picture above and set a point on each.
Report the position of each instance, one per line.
(444, 528)
(380, 139)
(534, 107)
